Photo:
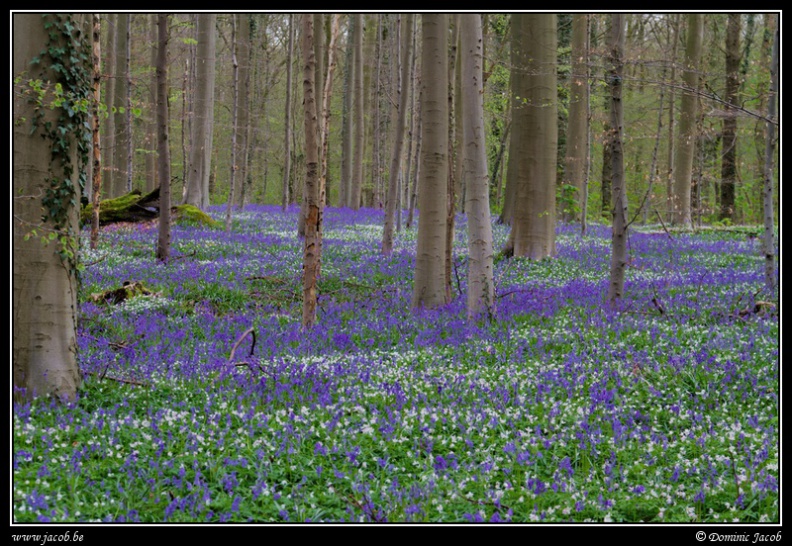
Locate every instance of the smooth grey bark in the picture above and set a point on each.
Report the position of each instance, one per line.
(163, 143)
(122, 136)
(346, 120)
(481, 288)
(429, 288)
(534, 136)
(150, 142)
(242, 107)
(768, 238)
(44, 343)
(619, 231)
(398, 140)
(109, 132)
(576, 159)
(234, 121)
(357, 115)
(287, 129)
(686, 139)
(201, 149)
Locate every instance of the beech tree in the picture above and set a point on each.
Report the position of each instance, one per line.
(686, 139)
(577, 132)
(534, 137)
(771, 137)
(481, 289)
(729, 155)
(429, 288)
(203, 124)
(46, 167)
(163, 143)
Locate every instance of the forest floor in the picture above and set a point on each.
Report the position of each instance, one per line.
(204, 400)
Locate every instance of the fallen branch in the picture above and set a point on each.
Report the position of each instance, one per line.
(119, 380)
(663, 224)
(252, 333)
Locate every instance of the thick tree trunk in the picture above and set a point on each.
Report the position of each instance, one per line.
(429, 286)
(44, 284)
(534, 136)
(686, 140)
(729, 154)
(163, 143)
(619, 231)
(201, 149)
(398, 141)
(481, 289)
(313, 218)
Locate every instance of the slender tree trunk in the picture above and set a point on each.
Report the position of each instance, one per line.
(416, 173)
(44, 283)
(287, 130)
(481, 288)
(429, 286)
(128, 74)
(376, 167)
(452, 148)
(346, 120)
(768, 238)
(358, 125)
(686, 140)
(97, 149)
(201, 149)
(243, 100)
(534, 136)
(326, 96)
(151, 115)
(163, 144)
(507, 212)
(497, 173)
(398, 141)
(234, 122)
(121, 165)
(313, 219)
(109, 134)
(729, 155)
(674, 40)
(413, 128)
(576, 151)
(619, 232)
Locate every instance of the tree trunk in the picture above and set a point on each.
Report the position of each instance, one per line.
(97, 149)
(346, 121)
(44, 276)
(357, 114)
(234, 121)
(243, 101)
(619, 231)
(163, 144)
(729, 154)
(534, 136)
(686, 139)
(398, 141)
(429, 286)
(416, 172)
(481, 289)
(122, 137)
(452, 149)
(326, 96)
(150, 143)
(201, 149)
(109, 133)
(577, 141)
(287, 130)
(313, 218)
(768, 239)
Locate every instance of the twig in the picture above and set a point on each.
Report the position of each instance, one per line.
(459, 284)
(102, 258)
(183, 256)
(663, 224)
(119, 380)
(252, 333)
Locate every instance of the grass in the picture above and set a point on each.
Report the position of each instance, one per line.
(558, 410)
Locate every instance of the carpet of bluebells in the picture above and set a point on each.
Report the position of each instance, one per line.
(559, 409)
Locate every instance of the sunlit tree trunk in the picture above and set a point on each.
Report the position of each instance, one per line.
(201, 150)
(619, 231)
(429, 286)
(686, 139)
(44, 347)
(481, 290)
(398, 141)
(313, 219)
(163, 143)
